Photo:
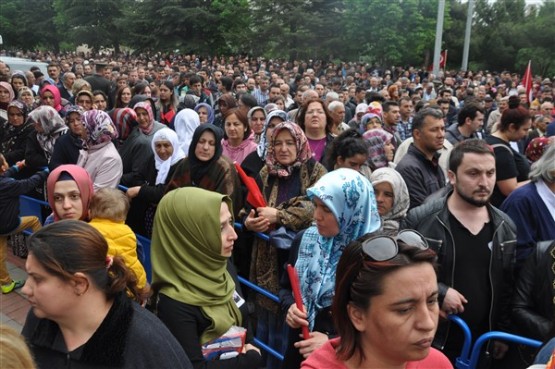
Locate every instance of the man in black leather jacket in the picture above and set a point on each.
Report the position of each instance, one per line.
(475, 243)
(532, 310)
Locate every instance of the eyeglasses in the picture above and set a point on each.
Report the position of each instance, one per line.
(383, 248)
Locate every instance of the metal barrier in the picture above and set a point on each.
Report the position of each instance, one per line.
(469, 362)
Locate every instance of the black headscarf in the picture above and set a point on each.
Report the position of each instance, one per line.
(200, 168)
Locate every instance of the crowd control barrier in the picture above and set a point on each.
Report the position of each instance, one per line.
(469, 357)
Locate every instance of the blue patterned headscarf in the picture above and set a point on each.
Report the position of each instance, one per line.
(350, 197)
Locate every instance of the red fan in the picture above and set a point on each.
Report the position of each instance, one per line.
(254, 197)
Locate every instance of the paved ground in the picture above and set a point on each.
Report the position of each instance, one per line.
(14, 305)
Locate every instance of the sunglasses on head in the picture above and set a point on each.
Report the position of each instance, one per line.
(383, 248)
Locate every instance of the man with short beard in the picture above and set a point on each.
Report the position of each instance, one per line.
(475, 243)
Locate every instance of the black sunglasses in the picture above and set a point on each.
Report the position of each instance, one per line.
(383, 248)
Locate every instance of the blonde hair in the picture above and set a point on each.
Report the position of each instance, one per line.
(14, 353)
(109, 203)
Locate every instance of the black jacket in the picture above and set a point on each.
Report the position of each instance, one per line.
(432, 221)
(422, 176)
(532, 309)
(129, 337)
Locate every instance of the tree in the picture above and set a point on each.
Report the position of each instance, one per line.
(96, 23)
(28, 24)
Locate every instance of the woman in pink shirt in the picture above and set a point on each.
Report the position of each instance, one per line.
(385, 307)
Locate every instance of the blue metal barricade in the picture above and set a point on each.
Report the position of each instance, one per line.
(469, 359)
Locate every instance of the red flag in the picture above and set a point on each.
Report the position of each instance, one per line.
(443, 59)
(527, 81)
(254, 197)
(296, 288)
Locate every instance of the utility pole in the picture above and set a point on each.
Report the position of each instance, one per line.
(466, 49)
(439, 34)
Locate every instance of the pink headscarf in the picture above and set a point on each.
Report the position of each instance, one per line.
(8, 87)
(56, 93)
(84, 183)
(146, 106)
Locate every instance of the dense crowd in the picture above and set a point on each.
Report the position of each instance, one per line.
(334, 162)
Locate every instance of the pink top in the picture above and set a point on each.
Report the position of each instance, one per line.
(238, 153)
(324, 358)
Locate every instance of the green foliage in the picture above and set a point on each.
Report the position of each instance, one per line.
(505, 33)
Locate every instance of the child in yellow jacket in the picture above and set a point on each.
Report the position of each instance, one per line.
(108, 210)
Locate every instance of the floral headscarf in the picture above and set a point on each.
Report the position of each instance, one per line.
(401, 200)
(210, 118)
(163, 166)
(52, 124)
(100, 128)
(377, 138)
(124, 119)
(536, 147)
(263, 144)
(14, 133)
(56, 93)
(148, 107)
(350, 197)
(303, 150)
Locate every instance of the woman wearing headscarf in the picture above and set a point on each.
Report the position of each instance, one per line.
(199, 295)
(370, 121)
(392, 197)
(49, 127)
(135, 151)
(185, 123)
(70, 190)
(257, 121)
(50, 96)
(66, 150)
(148, 191)
(256, 160)
(381, 149)
(205, 113)
(205, 167)
(99, 156)
(345, 209)
(28, 97)
(289, 171)
(12, 144)
(6, 96)
(124, 119)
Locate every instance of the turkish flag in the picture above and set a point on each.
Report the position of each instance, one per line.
(527, 81)
(443, 59)
(254, 196)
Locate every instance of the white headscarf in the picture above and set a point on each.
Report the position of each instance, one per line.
(186, 121)
(163, 166)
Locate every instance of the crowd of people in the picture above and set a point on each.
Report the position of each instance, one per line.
(400, 197)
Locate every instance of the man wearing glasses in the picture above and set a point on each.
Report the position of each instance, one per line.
(475, 243)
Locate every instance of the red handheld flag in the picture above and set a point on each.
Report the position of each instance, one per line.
(527, 81)
(294, 279)
(254, 196)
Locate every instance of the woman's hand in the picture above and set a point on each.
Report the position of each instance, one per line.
(256, 224)
(132, 192)
(296, 318)
(316, 340)
(269, 213)
(248, 347)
